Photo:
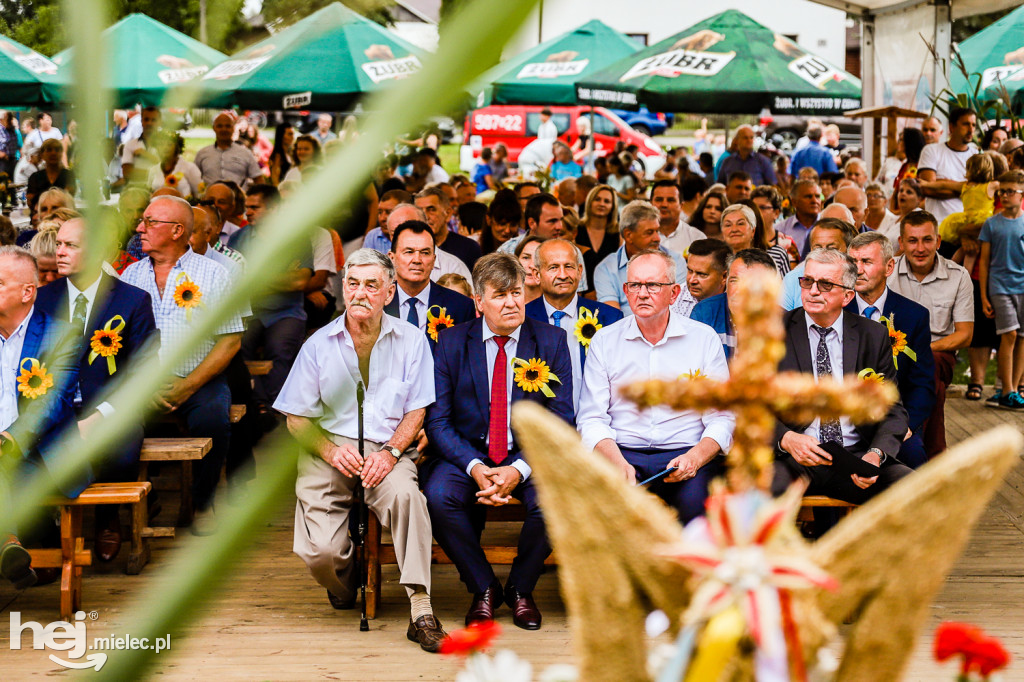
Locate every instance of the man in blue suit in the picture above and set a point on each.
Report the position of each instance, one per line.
(38, 375)
(417, 300)
(561, 306)
(915, 376)
(478, 375)
(108, 316)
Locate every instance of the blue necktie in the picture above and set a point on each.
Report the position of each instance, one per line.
(413, 318)
(869, 311)
(557, 317)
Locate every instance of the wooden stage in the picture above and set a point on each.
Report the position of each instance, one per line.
(273, 621)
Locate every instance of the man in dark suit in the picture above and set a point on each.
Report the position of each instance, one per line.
(478, 376)
(823, 340)
(39, 362)
(915, 366)
(417, 300)
(114, 327)
(559, 305)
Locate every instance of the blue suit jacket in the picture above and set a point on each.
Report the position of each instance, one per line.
(139, 337)
(915, 380)
(714, 312)
(42, 421)
(458, 421)
(606, 315)
(460, 308)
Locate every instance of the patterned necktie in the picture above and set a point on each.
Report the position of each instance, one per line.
(558, 316)
(78, 319)
(870, 311)
(497, 448)
(829, 431)
(414, 317)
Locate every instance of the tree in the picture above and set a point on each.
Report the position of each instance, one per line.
(281, 13)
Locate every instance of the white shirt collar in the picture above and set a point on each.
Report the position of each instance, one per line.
(837, 326)
(90, 292)
(488, 334)
(338, 327)
(570, 310)
(423, 297)
(676, 327)
(880, 303)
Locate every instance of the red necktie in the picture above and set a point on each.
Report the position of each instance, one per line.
(497, 448)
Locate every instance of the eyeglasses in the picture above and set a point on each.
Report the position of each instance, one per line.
(1009, 192)
(653, 288)
(824, 286)
(149, 222)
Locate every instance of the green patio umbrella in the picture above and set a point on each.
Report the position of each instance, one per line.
(996, 56)
(547, 73)
(147, 60)
(325, 62)
(25, 75)
(728, 64)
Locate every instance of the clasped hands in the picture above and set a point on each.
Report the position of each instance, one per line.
(807, 450)
(496, 484)
(372, 469)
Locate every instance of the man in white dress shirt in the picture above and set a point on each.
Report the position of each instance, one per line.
(655, 343)
(392, 360)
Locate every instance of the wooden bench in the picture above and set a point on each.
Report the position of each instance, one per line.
(72, 555)
(810, 502)
(259, 368)
(182, 450)
(380, 553)
(235, 413)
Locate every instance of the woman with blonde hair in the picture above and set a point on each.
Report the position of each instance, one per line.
(44, 247)
(598, 229)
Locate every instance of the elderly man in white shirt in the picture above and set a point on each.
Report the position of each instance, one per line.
(391, 359)
(655, 343)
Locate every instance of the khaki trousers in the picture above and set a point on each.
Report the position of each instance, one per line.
(325, 498)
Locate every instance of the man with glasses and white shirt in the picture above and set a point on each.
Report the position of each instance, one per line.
(655, 342)
(823, 340)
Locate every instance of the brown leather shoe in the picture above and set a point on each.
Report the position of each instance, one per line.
(525, 613)
(484, 604)
(108, 543)
(428, 632)
(16, 564)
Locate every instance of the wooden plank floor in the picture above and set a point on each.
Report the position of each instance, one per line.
(273, 622)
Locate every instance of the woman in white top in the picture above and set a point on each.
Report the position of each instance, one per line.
(307, 155)
(174, 171)
(909, 197)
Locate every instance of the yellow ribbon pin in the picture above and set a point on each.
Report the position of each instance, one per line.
(106, 342)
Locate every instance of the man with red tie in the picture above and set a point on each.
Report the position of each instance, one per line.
(479, 372)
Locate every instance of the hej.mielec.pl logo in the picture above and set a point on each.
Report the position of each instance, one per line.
(72, 638)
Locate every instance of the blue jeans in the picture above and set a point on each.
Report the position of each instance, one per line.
(206, 414)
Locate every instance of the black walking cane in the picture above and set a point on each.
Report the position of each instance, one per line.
(361, 510)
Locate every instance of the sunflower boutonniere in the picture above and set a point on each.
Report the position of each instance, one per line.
(534, 375)
(586, 326)
(898, 340)
(435, 323)
(106, 342)
(34, 381)
(187, 295)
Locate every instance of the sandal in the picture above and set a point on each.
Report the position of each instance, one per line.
(974, 391)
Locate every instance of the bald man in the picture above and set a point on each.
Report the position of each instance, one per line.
(225, 160)
(92, 301)
(34, 344)
(184, 286)
(745, 159)
(855, 199)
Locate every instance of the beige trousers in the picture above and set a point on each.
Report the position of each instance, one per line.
(325, 497)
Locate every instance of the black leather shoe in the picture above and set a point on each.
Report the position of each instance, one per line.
(525, 613)
(427, 631)
(341, 604)
(484, 604)
(16, 565)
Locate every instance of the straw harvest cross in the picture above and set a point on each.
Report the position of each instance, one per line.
(758, 394)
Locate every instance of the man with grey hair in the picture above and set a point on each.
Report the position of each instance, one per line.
(655, 342)
(813, 155)
(183, 287)
(638, 226)
(824, 340)
(34, 412)
(745, 159)
(915, 371)
(482, 367)
(391, 359)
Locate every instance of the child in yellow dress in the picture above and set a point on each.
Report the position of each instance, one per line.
(978, 196)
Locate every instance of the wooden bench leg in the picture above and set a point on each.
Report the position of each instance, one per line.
(185, 513)
(140, 550)
(371, 550)
(71, 542)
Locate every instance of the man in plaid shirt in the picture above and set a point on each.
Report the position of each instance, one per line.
(183, 287)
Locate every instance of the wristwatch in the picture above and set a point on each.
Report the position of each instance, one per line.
(393, 451)
(881, 455)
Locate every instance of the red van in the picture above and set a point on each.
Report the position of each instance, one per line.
(516, 126)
